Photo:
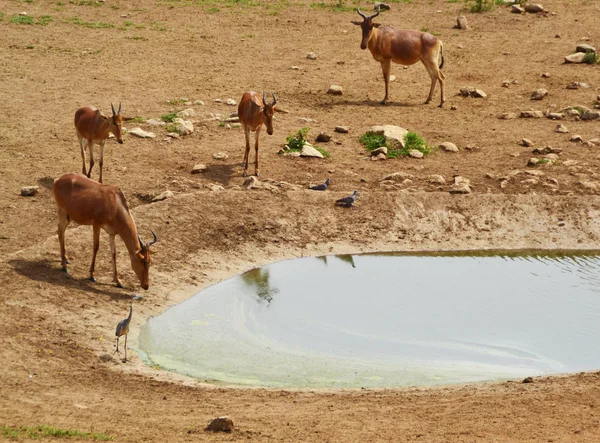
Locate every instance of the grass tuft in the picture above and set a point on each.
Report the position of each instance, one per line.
(296, 141)
(168, 118)
(412, 140)
(591, 58)
(93, 25)
(43, 431)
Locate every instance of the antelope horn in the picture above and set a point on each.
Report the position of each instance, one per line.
(376, 14)
(154, 240)
(119, 108)
(264, 97)
(361, 14)
(274, 99)
(113, 109)
(142, 246)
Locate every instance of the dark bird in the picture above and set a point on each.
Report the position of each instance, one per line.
(347, 201)
(321, 187)
(123, 329)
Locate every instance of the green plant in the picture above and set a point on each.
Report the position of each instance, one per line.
(177, 101)
(591, 58)
(412, 140)
(93, 25)
(22, 19)
(168, 118)
(323, 151)
(295, 142)
(43, 431)
(480, 5)
(372, 141)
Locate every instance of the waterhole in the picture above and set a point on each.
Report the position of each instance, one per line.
(386, 321)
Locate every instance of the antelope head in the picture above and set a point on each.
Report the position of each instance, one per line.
(268, 111)
(115, 124)
(367, 26)
(141, 263)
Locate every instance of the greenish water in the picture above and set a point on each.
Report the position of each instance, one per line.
(386, 320)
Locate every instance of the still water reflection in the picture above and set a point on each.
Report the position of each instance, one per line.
(386, 320)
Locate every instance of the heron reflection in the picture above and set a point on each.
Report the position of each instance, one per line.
(259, 279)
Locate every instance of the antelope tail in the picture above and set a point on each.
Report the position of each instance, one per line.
(442, 55)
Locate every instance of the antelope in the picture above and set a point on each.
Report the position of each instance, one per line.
(87, 202)
(92, 126)
(253, 112)
(405, 47)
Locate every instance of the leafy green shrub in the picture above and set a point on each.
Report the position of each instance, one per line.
(480, 5)
(323, 151)
(296, 141)
(168, 118)
(591, 58)
(372, 141)
(412, 140)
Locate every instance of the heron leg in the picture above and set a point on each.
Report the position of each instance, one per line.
(117, 350)
(125, 348)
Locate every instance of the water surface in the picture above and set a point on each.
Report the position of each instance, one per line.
(386, 320)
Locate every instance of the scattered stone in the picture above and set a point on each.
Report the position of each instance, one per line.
(186, 113)
(472, 92)
(585, 48)
(593, 186)
(534, 8)
(392, 78)
(588, 144)
(220, 156)
(311, 56)
(552, 157)
(555, 116)
(382, 6)
(184, 127)
(461, 185)
(472, 148)
(448, 147)
(576, 138)
(546, 75)
(595, 141)
(381, 150)
(218, 100)
(552, 181)
(572, 112)
(105, 358)
(163, 196)
(590, 115)
(306, 120)
(230, 102)
(436, 179)
(415, 153)
(335, 90)
(394, 135)
(220, 424)
(251, 182)
(547, 150)
(533, 161)
(575, 58)
(570, 163)
(531, 114)
(214, 187)
(526, 142)
(139, 132)
(530, 181)
(155, 122)
(235, 119)
(173, 135)
(503, 183)
(295, 68)
(398, 177)
(323, 137)
(199, 168)
(342, 129)
(380, 156)
(506, 84)
(199, 103)
(462, 23)
(309, 151)
(29, 191)
(561, 129)
(516, 9)
(539, 94)
(453, 108)
(507, 116)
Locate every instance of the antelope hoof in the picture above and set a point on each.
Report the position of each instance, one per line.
(245, 174)
(383, 102)
(119, 285)
(93, 279)
(64, 269)
(257, 174)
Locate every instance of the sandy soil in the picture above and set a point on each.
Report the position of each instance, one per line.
(58, 328)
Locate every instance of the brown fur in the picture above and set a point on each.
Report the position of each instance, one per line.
(87, 202)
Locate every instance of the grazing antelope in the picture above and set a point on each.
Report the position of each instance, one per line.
(88, 202)
(253, 112)
(91, 126)
(405, 47)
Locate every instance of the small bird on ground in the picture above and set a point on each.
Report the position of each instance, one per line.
(123, 329)
(347, 201)
(322, 186)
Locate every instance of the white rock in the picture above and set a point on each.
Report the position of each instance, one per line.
(163, 196)
(415, 154)
(199, 168)
(335, 90)
(534, 7)
(448, 147)
(199, 102)
(184, 127)
(311, 56)
(231, 102)
(139, 132)
(342, 129)
(155, 122)
(539, 94)
(220, 156)
(29, 191)
(381, 150)
(561, 129)
(309, 151)
(575, 58)
(186, 113)
(436, 179)
(394, 135)
(585, 48)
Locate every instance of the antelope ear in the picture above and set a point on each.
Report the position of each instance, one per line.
(376, 25)
(140, 256)
(356, 22)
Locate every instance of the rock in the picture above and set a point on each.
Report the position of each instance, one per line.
(575, 58)
(392, 78)
(105, 358)
(382, 6)
(295, 68)
(184, 127)
(415, 154)
(572, 112)
(539, 94)
(527, 380)
(155, 122)
(472, 92)
(547, 150)
(220, 156)
(323, 137)
(531, 114)
(578, 85)
(533, 161)
(462, 23)
(585, 48)
(555, 116)
(595, 141)
(163, 196)
(186, 113)
(381, 150)
(309, 151)
(593, 186)
(29, 191)
(394, 135)
(398, 177)
(311, 56)
(218, 100)
(436, 179)
(561, 129)
(214, 187)
(448, 147)
(251, 182)
(530, 181)
(526, 142)
(546, 75)
(516, 9)
(461, 185)
(342, 129)
(380, 156)
(590, 115)
(199, 102)
(139, 132)
(552, 157)
(235, 119)
(230, 102)
(534, 8)
(199, 168)
(506, 84)
(335, 90)
(478, 93)
(220, 424)
(507, 116)
(576, 138)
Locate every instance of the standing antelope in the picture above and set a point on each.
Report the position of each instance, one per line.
(405, 47)
(253, 112)
(91, 126)
(88, 202)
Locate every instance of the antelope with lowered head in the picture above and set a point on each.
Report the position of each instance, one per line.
(87, 202)
(92, 126)
(253, 112)
(405, 47)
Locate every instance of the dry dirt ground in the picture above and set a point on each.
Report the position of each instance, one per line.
(56, 327)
